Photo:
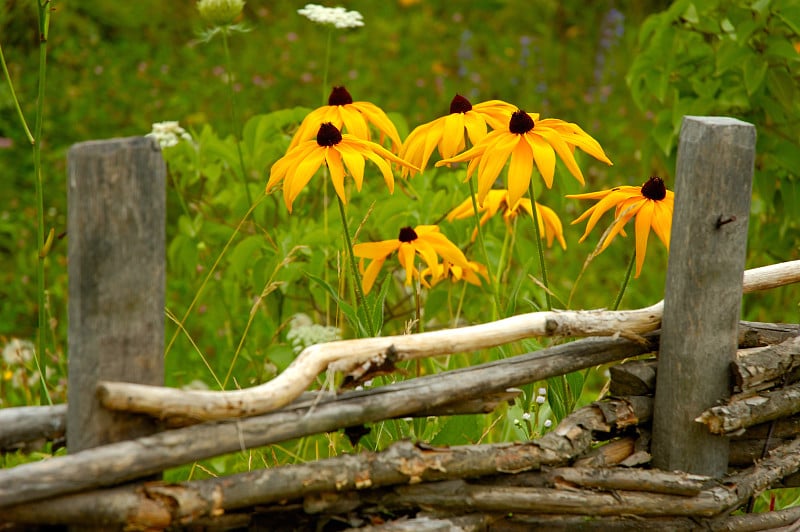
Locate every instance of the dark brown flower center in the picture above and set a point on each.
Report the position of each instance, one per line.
(460, 105)
(654, 189)
(339, 96)
(520, 123)
(328, 135)
(407, 234)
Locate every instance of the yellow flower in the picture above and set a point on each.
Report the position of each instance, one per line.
(455, 273)
(354, 117)
(298, 166)
(651, 204)
(496, 200)
(425, 240)
(447, 132)
(526, 140)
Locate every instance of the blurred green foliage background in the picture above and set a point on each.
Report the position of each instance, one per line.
(625, 71)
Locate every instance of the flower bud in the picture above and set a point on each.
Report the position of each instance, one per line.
(220, 12)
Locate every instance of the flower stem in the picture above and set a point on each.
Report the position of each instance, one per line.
(327, 67)
(234, 118)
(362, 302)
(41, 359)
(481, 243)
(539, 247)
(618, 300)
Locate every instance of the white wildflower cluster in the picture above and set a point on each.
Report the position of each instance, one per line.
(303, 332)
(333, 16)
(169, 134)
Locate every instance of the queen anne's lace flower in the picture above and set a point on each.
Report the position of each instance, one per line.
(304, 333)
(168, 134)
(338, 17)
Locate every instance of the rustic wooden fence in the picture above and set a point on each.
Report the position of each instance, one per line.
(684, 441)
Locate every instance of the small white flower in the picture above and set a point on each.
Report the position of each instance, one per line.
(169, 133)
(548, 423)
(526, 416)
(542, 391)
(303, 332)
(540, 399)
(18, 352)
(338, 17)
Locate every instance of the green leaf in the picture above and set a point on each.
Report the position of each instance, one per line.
(730, 54)
(790, 15)
(347, 309)
(459, 430)
(754, 70)
(781, 86)
(245, 254)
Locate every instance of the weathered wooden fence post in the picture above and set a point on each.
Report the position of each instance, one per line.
(115, 222)
(702, 300)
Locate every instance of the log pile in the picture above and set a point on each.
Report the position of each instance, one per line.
(589, 473)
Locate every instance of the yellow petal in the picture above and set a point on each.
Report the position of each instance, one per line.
(493, 160)
(662, 220)
(643, 222)
(612, 199)
(354, 121)
(519, 171)
(406, 254)
(371, 273)
(380, 119)
(309, 127)
(460, 211)
(563, 150)
(476, 127)
(336, 168)
(354, 161)
(303, 173)
(375, 250)
(544, 156)
(452, 135)
(619, 223)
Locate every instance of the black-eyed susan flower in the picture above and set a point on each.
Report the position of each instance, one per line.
(526, 140)
(447, 132)
(423, 240)
(650, 203)
(347, 115)
(496, 201)
(445, 270)
(298, 166)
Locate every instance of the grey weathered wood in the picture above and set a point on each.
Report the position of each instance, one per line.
(401, 463)
(116, 225)
(703, 290)
(118, 462)
(25, 427)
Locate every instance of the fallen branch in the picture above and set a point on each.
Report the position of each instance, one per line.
(119, 462)
(351, 356)
(402, 463)
(742, 412)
